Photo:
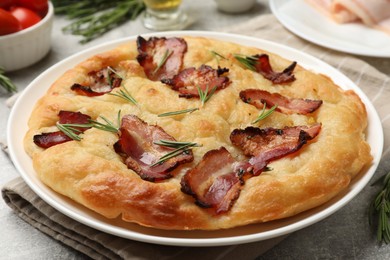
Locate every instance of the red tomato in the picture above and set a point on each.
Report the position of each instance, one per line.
(25, 16)
(38, 6)
(6, 3)
(8, 23)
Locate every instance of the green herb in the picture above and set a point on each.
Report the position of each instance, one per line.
(108, 126)
(109, 69)
(167, 53)
(190, 110)
(247, 61)
(92, 18)
(217, 56)
(6, 82)
(180, 147)
(73, 131)
(264, 114)
(204, 96)
(124, 94)
(380, 209)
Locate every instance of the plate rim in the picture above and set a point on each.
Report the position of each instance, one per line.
(193, 242)
(372, 53)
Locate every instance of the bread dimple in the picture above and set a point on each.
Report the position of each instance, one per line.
(92, 173)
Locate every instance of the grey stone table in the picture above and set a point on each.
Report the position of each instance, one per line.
(344, 235)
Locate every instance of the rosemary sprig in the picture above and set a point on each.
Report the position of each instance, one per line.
(167, 53)
(190, 110)
(264, 114)
(248, 61)
(380, 209)
(180, 147)
(124, 94)
(108, 126)
(73, 131)
(6, 82)
(204, 96)
(92, 18)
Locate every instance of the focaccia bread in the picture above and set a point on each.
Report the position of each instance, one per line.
(266, 138)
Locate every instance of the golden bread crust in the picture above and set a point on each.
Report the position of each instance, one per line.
(92, 173)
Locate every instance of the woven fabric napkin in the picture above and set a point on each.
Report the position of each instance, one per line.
(100, 245)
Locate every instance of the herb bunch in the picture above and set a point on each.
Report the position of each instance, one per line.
(379, 216)
(92, 18)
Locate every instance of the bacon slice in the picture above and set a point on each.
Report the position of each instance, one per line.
(99, 83)
(152, 52)
(46, 140)
(205, 77)
(266, 145)
(214, 182)
(257, 98)
(136, 146)
(69, 117)
(263, 67)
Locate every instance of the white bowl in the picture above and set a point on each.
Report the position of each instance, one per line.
(26, 47)
(235, 6)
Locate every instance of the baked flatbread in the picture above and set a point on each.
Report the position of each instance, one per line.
(236, 169)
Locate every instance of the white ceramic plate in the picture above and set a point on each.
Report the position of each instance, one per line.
(305, 21)
(17, 128)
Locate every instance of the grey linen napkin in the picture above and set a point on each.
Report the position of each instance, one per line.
(100, 245)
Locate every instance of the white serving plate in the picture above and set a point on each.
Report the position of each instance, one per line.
(305, 21)
(17, 127)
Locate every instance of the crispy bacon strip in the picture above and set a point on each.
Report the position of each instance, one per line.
(99, 83)
(214, 182)
(263, 67)
(69, 117)
(46, 140)
(257, 98)
(161, 58)
(205, 77)
(266, 145)
(136, 146)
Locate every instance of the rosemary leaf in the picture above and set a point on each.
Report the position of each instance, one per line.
(205, 95)
(174, 144)
(380, 211)
(264, 114)
(167, 53)
(108, 126)
(217, 56)
(190, 110)
(6, 82)
(114, 71)
(180, 147)
(92, 18)
(71, 131)
(248, 61)
(124, 94)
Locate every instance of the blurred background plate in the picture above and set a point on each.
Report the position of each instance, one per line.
(302, 19)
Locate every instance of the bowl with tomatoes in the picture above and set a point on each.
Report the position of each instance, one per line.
(25, 32)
